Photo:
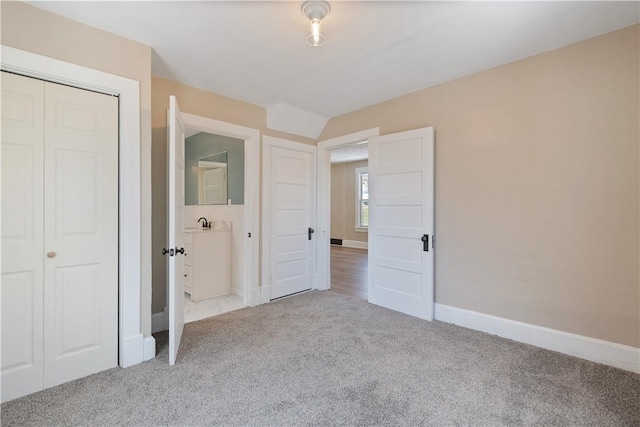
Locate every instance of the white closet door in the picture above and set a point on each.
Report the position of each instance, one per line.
(292, 218)
(401, 200)
(81, 233)
(22, 235)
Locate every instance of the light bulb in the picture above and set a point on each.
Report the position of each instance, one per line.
(315, 31)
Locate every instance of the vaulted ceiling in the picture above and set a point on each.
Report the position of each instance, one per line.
(256, 51)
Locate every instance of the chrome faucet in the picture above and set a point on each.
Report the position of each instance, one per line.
(205, 224)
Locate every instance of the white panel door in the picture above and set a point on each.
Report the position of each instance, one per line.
(80, 233)
(22, 235)
(292, 220)
(401, 222)
(215, 186)
(176, 235)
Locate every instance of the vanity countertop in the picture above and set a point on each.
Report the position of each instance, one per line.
(217, 226)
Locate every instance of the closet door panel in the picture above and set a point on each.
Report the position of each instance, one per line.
(81, 228)
(22, 235)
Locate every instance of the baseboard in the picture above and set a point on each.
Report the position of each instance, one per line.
(355, 244)
(157, 322)
(133, 350)
(595, 350)
(238, 292)
(149, 348)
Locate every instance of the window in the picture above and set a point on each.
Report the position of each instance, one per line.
(362, 199)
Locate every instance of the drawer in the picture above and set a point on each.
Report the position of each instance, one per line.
(187, 279)
(187, 254)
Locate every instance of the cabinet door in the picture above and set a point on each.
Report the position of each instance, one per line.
(22, 235)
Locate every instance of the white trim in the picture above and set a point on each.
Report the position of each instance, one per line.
(595, 350)
(361, 229)
(355, 244)
(42, 67)
(149, 348)
(251, 139)
(158, 323)
(323, 245)
(268, 142)
(359, 171)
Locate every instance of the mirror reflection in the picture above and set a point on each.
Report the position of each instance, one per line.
(214, 169)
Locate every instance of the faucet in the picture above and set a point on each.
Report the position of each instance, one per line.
(205, 224)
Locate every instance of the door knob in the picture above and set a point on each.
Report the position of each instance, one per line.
(51, 254)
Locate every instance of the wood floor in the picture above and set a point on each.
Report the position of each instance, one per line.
(349, 271)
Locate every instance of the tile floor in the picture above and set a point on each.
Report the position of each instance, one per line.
(210, 307)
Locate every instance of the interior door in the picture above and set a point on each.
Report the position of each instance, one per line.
(22, 235)
(292, 219)
(80, 233)
(215, 186)
(176, 233)
(401, 222)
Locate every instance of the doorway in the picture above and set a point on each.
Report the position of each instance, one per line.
(213, 217)
(349, 219)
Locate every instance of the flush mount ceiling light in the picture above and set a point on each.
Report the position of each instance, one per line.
(315, 10)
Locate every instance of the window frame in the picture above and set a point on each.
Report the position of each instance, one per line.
(358, 195)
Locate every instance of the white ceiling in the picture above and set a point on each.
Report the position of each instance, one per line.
(256, 51)
(350, 153)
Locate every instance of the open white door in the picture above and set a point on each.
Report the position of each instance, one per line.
(176, 247)
(401, 222)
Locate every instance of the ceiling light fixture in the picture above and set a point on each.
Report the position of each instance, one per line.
(315, 10)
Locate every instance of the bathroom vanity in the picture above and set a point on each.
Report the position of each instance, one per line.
(207, 268)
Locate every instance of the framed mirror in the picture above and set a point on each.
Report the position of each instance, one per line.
(214, 169)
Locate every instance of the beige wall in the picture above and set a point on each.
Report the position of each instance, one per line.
(200, 103)
(37, 31)
(537, 192)
(343, 201)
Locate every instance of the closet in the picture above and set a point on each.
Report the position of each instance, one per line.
(59, 234)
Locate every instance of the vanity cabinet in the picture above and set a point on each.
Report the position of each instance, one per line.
(207, 260)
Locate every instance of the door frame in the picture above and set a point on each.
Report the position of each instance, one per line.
(269, 142)
(251, 248)
(133, 347)
(323, 248)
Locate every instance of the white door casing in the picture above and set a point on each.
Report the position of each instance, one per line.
(59, 197)
(401, 211)
(22, 236)
(134, 347)
(176, 236)
(290, 182)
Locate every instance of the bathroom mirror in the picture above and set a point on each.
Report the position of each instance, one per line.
(214, 169)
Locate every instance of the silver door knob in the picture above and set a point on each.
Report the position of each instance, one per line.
(51, 254)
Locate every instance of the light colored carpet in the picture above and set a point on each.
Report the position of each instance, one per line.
(326, 359)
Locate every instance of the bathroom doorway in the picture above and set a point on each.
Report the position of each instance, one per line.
(213, 216)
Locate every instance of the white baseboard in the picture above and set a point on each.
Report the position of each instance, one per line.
(149, 348)
(355, 244)
(595, 350)
(133, 351)
(157, 322)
